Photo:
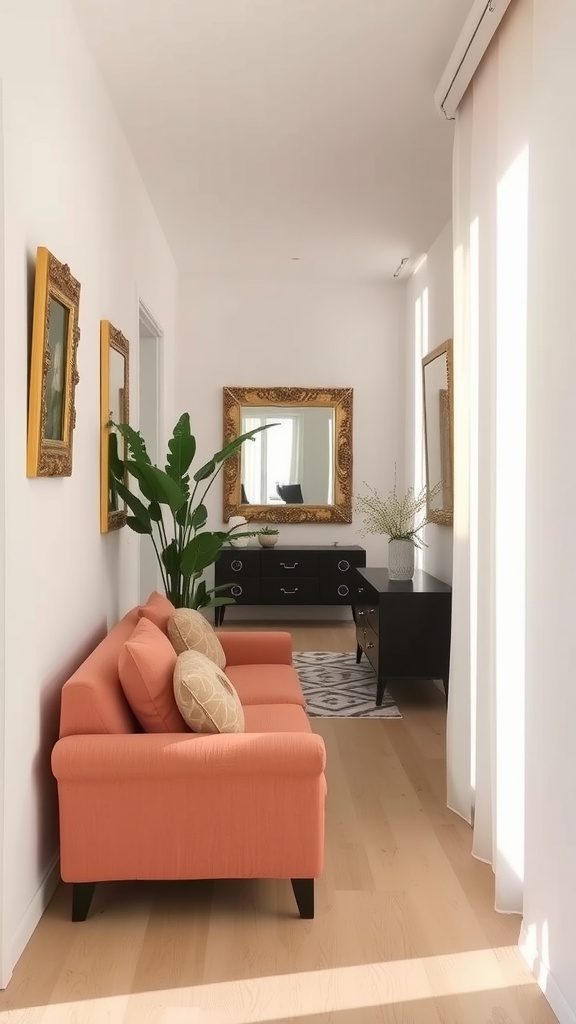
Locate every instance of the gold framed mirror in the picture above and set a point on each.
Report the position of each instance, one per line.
(115, 407)
(299, 471)
(437, 377)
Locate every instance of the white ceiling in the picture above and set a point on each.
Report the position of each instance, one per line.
(272, 129)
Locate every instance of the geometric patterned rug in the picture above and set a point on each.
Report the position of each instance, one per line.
(336, 687)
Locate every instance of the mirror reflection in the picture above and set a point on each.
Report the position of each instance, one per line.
(437, 381)
(115, 406)
(117, 415)
(299, 471)
(291, 464)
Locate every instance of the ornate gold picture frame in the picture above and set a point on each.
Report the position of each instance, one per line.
(286, 402)
(53, 370)
(115, 406)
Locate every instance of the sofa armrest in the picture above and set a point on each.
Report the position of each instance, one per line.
(257, 647)
(174, 756)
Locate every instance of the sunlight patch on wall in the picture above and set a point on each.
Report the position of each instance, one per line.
(510, 523)
(474, 412)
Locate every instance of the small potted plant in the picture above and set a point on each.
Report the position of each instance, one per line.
(268, 536)
(397, 518)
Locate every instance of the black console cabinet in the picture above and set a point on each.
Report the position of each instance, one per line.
(404, 628)
(290, 575)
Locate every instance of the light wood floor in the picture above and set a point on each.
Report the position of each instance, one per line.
(404, 931)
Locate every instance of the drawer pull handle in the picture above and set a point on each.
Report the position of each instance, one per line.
(369, 645)
(361, 612)
(343, 590)
(236, 590)
(343, 565)
(284, 566)
(371, 611)
(360, 590)
(283, 591)
(236, 565)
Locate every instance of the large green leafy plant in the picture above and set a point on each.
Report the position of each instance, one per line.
(171, 509)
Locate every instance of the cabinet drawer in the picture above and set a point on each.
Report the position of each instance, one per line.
(235, 563)
(297, 590)
(244, 590)
(368, 616)
(368, 641)
(289, 564)
(341, 565)
(338, 591)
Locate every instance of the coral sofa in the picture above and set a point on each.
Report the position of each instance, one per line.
(136, 805)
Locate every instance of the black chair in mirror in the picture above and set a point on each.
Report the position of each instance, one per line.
(290, 493)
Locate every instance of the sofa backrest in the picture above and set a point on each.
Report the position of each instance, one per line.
(92, 699)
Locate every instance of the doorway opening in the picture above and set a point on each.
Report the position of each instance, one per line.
(150, 419)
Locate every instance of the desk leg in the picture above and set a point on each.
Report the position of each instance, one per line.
(380, 691)
(358, 653)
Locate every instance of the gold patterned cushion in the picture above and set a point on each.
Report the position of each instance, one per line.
(205, 696)
(190, 631)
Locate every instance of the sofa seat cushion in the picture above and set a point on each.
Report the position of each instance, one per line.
(275, 718)
(190, 631)
(266, 684)
(205, 696)
(146, 667)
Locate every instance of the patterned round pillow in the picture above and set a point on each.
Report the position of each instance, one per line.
(205, 696)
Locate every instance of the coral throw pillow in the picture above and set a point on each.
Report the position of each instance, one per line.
(146, 669)
(190, 631)
(205, 696)
(158, 609)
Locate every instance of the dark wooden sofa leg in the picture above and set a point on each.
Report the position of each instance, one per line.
(304, 893)
(82, 893)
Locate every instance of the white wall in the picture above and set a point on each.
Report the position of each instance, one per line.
(4, 971)
(429, 321)
(299, 332)
(71, 185)
(550, 872)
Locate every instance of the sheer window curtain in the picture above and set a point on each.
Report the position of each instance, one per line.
(252, 476)
(485, 737)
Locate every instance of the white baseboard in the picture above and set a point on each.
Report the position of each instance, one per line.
(546, 980)
(34, 912)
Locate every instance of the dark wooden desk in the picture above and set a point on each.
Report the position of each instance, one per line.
(403, 627)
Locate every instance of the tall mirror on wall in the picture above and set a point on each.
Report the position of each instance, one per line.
(438, 432)
(114, 407)
(298, 471)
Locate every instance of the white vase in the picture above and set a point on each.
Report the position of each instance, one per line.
(241, 523)
(400, 559)
(268, 540)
